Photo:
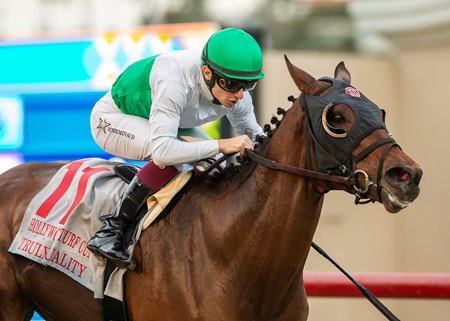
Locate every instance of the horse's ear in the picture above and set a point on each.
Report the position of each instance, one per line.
(304, 81)
(342, 73)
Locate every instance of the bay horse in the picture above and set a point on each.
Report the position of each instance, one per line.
(234, 250)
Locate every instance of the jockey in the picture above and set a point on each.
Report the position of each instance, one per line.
(152, 111)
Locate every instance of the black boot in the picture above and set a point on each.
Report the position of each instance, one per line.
(109, 241)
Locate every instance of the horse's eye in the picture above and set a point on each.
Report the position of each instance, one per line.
(336, 119)
(333, 122)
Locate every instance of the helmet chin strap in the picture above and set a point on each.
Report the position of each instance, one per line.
(210, 83)
(215, 101)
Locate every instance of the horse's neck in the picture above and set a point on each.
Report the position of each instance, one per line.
(291, 207)
(271, 216)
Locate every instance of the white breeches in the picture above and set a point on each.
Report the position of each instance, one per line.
(127, 136)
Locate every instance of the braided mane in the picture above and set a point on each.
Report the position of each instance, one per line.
(232, 169)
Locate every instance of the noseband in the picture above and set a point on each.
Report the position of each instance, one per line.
(333, 153)
(361, 193)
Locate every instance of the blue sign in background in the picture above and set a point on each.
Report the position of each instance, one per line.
(57, 126)
(46, 95)
(44, 63)
(11, 122)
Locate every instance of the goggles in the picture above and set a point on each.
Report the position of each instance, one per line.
(233, 85)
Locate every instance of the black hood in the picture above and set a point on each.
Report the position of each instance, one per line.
(332, 152)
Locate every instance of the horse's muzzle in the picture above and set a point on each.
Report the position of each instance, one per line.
(401, 187)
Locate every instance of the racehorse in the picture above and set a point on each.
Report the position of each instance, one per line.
(234, 250)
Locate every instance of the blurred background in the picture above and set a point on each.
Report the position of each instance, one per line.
(57, 57)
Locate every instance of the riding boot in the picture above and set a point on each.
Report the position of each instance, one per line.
(109, 241)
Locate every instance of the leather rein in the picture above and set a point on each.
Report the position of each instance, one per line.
(348, 181)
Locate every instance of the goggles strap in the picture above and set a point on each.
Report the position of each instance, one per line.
(210, 83)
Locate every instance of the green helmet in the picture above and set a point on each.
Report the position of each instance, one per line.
(235, 54)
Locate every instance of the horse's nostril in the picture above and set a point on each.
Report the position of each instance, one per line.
(404, 175)
(399, 175)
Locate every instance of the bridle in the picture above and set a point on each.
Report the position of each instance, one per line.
(342, 173)
(362, 193)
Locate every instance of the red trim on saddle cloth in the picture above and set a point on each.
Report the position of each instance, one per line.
(155, 177)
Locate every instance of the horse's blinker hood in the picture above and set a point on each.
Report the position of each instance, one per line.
(333, 151)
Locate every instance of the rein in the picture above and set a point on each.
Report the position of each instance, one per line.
(349, 181)
(302, 172)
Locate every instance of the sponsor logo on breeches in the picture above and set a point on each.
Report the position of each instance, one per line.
(105, 126)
